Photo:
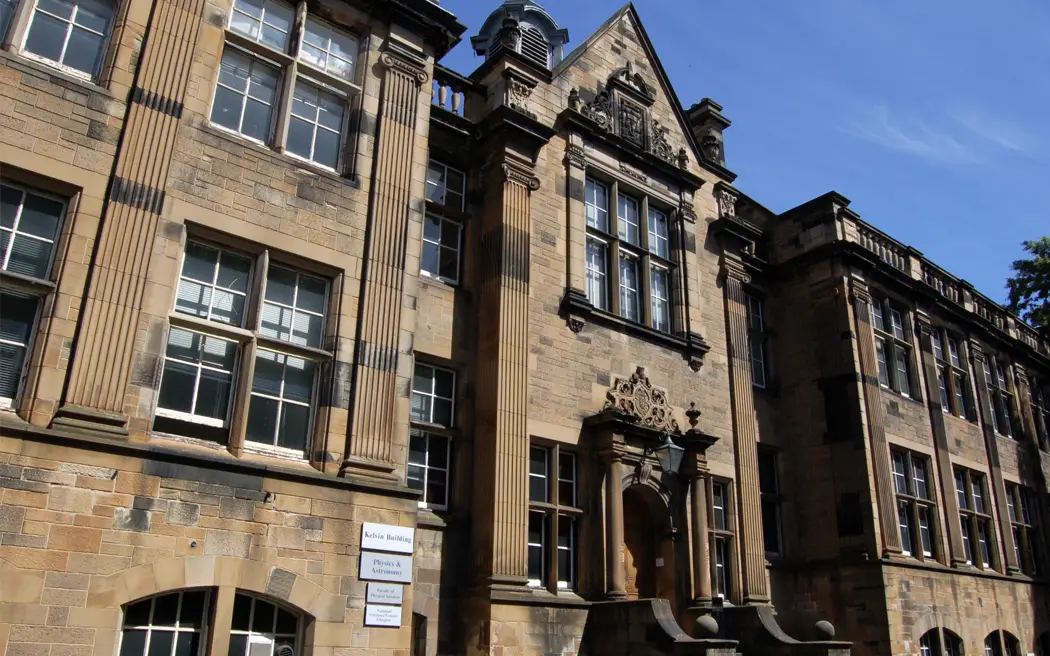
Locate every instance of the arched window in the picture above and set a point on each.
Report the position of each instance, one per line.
(166, 625)
(953, 644)
(931, 641)
(1042, 648)
(260, 628)
(1002, 643)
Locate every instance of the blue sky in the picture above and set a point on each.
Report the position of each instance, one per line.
(931, 116)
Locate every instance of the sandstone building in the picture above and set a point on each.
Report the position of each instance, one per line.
(271, 273)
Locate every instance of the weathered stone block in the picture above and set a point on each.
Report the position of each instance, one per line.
(183, 514)
(227, 543)
(230, 508)
(125, 519)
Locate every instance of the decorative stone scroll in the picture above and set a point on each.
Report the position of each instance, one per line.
(636, 397)
(405, 63)
(726, 203)
(518, 92)
(521, 175)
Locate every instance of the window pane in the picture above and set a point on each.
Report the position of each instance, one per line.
(263, 619)
(628, 215)
(567, 480)
(176, 387)
(924, 531)
(213, 394)
(900, 359)
(536, 545)
(40, 216)
(7, 10)
(295, 426)
(960, 490)
(227, 108)
(46, 36)
(192, 613)
(658, 234)
(880, 356)
(597, 265)
(538, 474)
(904, 519)
(771, 526)
(138, 614)
(597, 206)
(900, 481)
(133, 642)
(262, 420)
(188, 644)
(84, 53)
(160, 643)
(242, 609)
(629, 288)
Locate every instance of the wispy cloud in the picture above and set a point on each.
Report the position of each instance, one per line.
(912, 136)
(957, 136)
(996, 130)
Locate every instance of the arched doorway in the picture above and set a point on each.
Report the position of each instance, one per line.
(639, 546)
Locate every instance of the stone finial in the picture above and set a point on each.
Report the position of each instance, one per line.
(707, 626)
(693, 413)
(825, 629)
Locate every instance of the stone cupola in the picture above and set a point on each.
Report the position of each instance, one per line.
(524, 27)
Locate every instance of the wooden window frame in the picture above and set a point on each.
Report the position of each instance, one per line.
(894, 347)
(41, 289)
(758, 338)
(911, 502)
(953, 376)
(1021, 511)
(617, 249)
(291, 67)
(1001, 396)
(721, 538)
(250, 340)
(555, 511)
(973, 520)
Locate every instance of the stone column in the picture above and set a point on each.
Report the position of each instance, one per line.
(984, 402)
(378, 356)
(502, 444)
(110, 353)
(701, 558)
(880, 450)
(940, 440)
(745, 433)
(616, 580)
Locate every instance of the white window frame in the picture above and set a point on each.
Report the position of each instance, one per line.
(756, 346)
(191, 416)
(294, 307)
(291, 67)
(70, 22)
(432, 393)
(429, 469)
(443, 187)
(553, 511)
(320, 88)
(213, 284)
(443, 222)
(721, 538)
(256, 60)
(265, 447)
(598, 279)
(30, 292)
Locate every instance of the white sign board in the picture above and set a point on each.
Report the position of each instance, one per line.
(385, 567)
(385, 593)
(384, 537)
(382, 615)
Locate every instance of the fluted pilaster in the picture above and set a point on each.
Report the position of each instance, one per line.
(376, 359)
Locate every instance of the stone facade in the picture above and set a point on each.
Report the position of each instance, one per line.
(524, 312)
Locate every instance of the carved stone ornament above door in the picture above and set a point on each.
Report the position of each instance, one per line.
(637, 399)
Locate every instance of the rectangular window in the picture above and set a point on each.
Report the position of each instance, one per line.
(628, 216)
(197, 383)
(720, 534)
(7, 11)
(974, 516)
(597, 205)
(915, 508)
(953, 380)
(70, 33)
(1021, 509)
(317, 63)
(441, 245)
(597, 268)
(756, 330)
(282, 394)
(1001, 398)
(659, 289)
(213, 284)
(316, 126)
(629, 292)
(428, 468)
(30, 224)
(446, 186)
(245, 95)
(892, 346)
(433, 395)
(769, 485)
(553, 511)
(200, 376)
(629, 269)
(659, 234)
(1038, 400)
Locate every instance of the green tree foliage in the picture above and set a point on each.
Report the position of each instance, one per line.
(1030, 285)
